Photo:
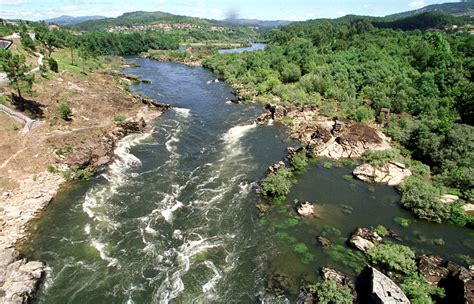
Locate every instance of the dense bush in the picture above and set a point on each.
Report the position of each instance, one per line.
(299, 161)
(53, 65)
(393, 257)
(418, 290)
(380, 158)
(328, 292)
(278, 183)
(423, 199)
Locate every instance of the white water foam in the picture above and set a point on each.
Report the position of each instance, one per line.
(235, 134)
(183, 112)
(209, 286)
(100, 247)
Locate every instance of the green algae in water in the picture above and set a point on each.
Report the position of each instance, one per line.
(347, 177)
(348, 257)
(327, 165)
(307, 258)
(262, 221)
(402, 221)
(300, 248)
(330, 230)
(346, 209)
(437, 242)
(292, 221)
(285, 236)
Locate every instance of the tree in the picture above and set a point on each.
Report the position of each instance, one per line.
(16, 69)
(26, 41)
(53, 64)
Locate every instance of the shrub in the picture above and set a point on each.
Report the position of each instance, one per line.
(393, 257)
(64, 111)
(119, 118)
(423, 199)
(381, 230)
(328, 291)
(51, 169)
(278, 183)
(380, 158)
(418, 290)
(459, 216)
(14, 126)
(299, 161)
(53, 64)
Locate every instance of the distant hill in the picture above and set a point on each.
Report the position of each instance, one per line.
(423, 21)
(70, 20)
(256, 22)
(137, 18)
(453, 8)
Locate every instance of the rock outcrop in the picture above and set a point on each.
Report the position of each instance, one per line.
(275, 167)
(431, 267)
(364, 239)
(338, 138)
(384, 290)
(449, 198)
(468, 208)
(392, 173)
(21, 280)
(93, 154)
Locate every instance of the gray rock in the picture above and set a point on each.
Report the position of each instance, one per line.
(364, 239)
(384, 290)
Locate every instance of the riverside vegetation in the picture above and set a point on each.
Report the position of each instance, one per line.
(351, 68)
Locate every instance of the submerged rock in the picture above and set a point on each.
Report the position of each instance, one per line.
(324, 241)
(393, 173)
(364, 239)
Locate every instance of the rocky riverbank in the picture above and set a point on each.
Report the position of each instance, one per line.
(325, 137)
(18, 277)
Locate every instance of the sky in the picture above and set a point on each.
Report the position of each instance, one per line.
(212, 9)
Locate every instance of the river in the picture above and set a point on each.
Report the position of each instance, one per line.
(173, 220)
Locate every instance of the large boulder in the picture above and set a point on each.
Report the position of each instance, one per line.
(364, 239)
(392, 173)
(431, 267)
(375, 287)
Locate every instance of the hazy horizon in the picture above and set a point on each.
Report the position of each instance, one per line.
(211, 9)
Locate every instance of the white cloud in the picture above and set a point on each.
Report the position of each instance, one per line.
(417, 4)
(13, 2)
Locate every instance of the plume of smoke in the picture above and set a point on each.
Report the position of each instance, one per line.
(232, 14)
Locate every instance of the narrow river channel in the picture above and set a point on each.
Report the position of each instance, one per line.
(173, 220)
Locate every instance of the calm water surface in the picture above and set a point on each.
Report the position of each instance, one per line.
(173, 220)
